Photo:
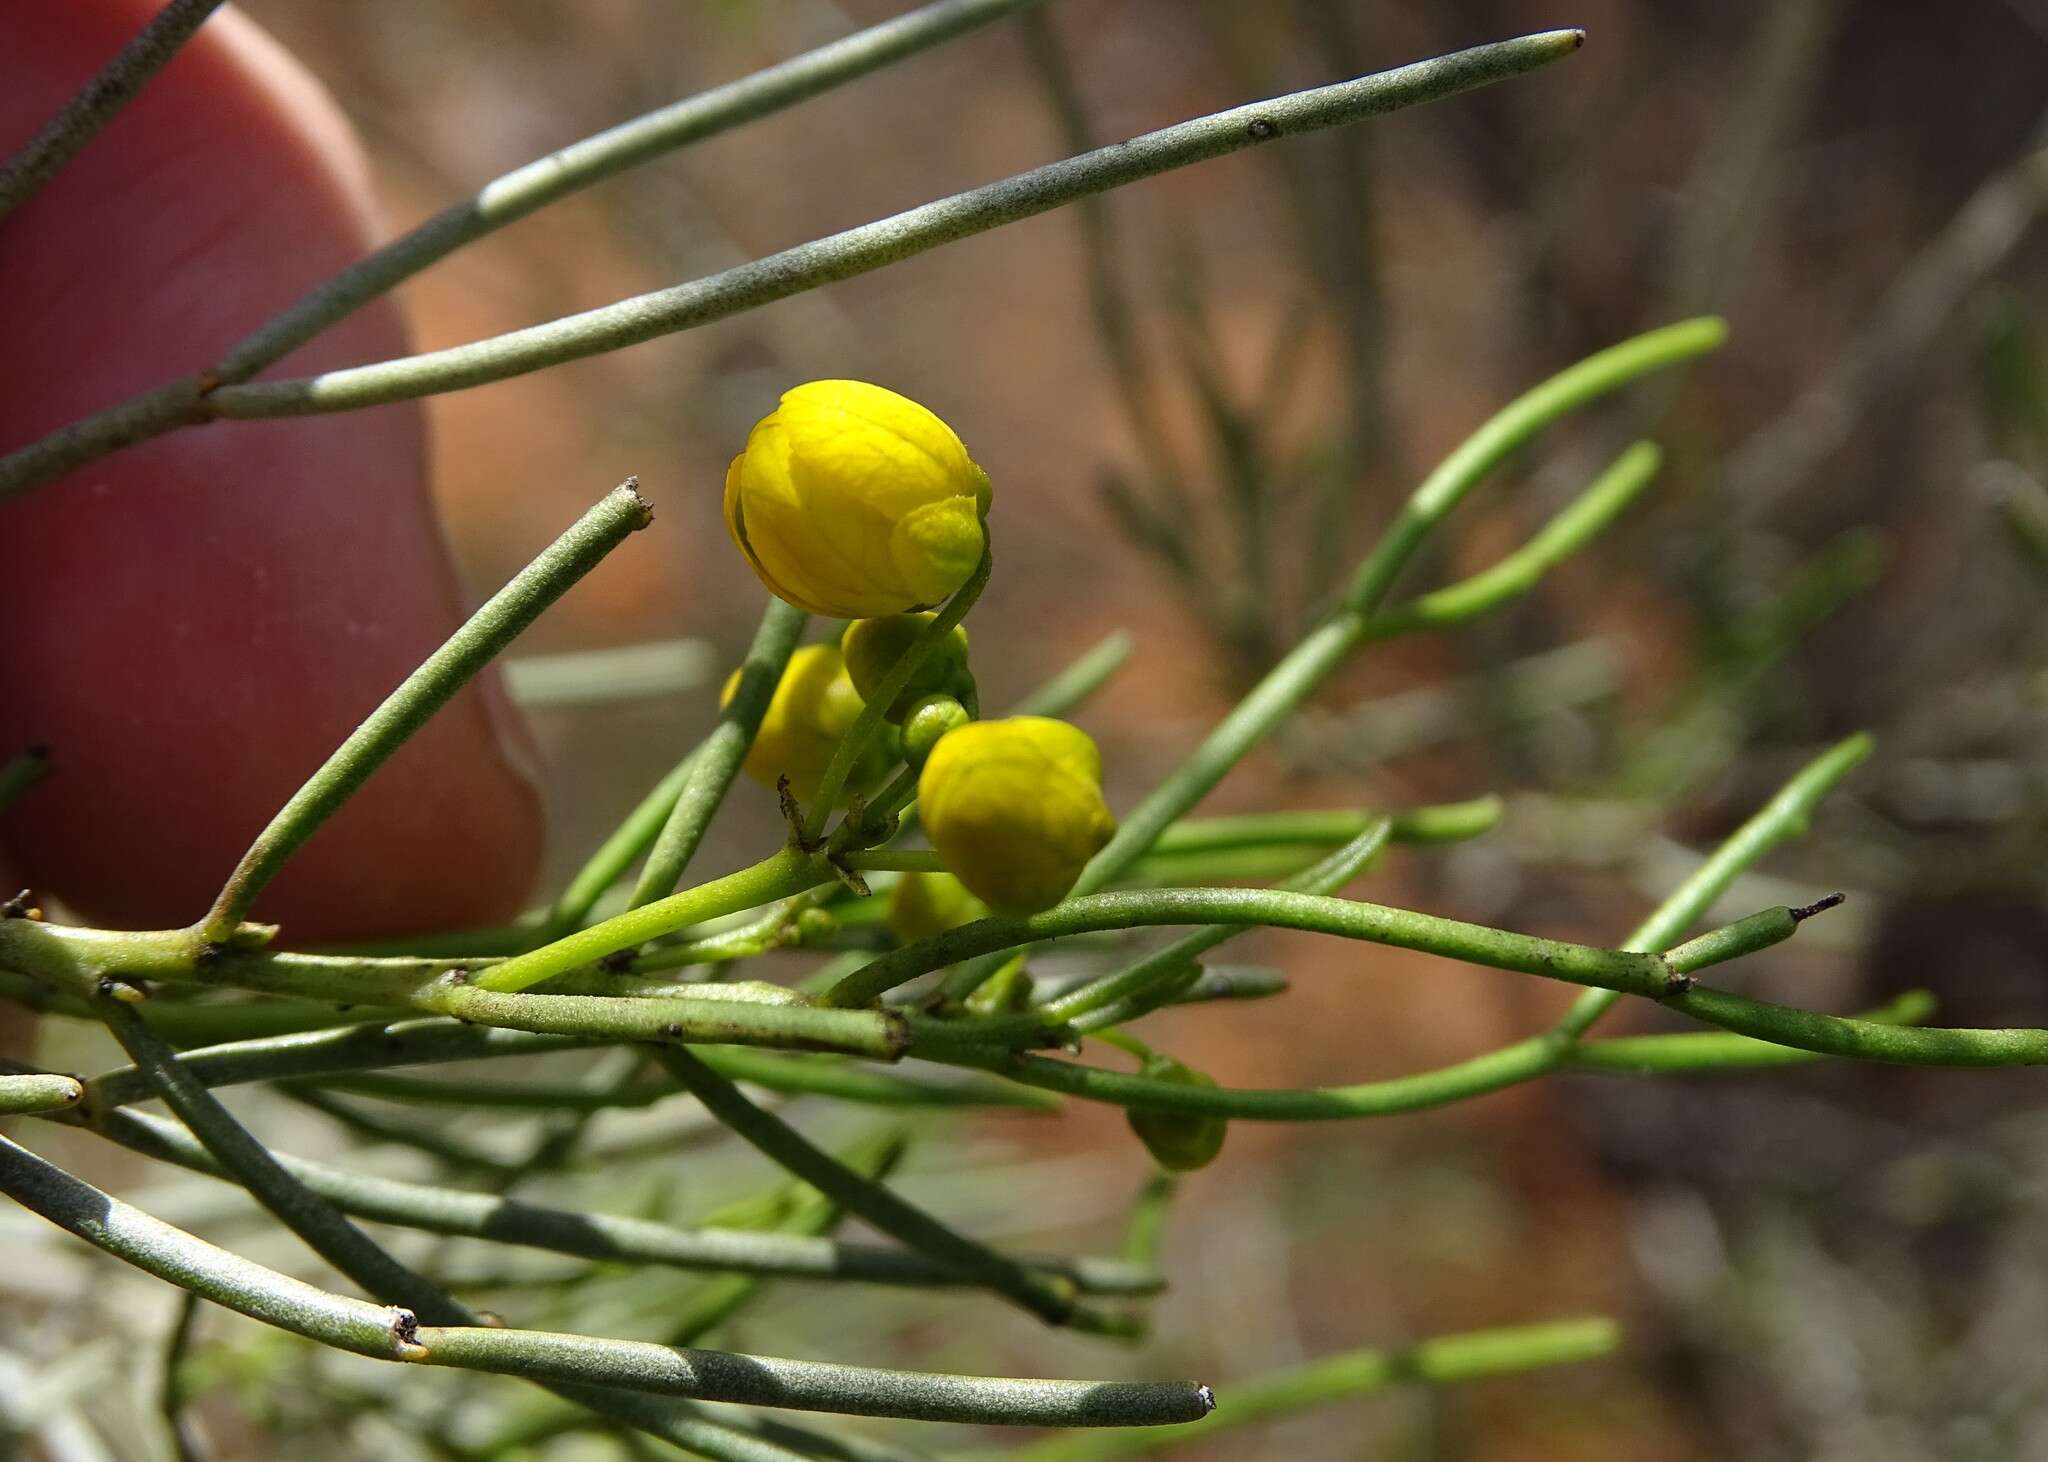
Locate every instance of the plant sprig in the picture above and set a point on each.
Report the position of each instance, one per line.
(568, 978)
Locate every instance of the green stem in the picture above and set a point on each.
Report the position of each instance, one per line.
(1508, 1066)
(788, 872)
(1263, 846)
(1712, 1051)
(1171, 989)
(584, 1366)
(1165, 964)
(500, 202)
(791, 1208)
(757, 1380)
(775, 929)
(378, 1047)
(1445, 1360)
(1268, 703)
(1490, 1072)
(1630, 972)
(896, 800)
(769, 1070)
(718, 761)
(192, 1264)
(384, 1332)
(81, 960)
(424, 692)
(1564, 535)
(1784, 817)
(104, 96)
(1745, 936)
(1762, 1035)
(1227, 866)
(578, 1361)
(1305, 667)
(1050, 1297)
(969, 976)
(1510, 430)
(330, 1052)
(886, 241)
(1211, 982)
(497, 1219)
(25, 1095)
(1863, 1040)
(1232, 982)
(1187, 851)
(1441, 823)
(854, 744)
(323, 1228)
(712, 1021)
(604, 155)
(210, 1022)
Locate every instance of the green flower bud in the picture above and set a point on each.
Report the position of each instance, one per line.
(1015, 809)
(924, 904)
(873, 646)
(850, 500)
(929, 719)
(813, 708)
(1178, 1141)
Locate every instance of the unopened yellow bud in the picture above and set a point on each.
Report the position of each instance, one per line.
(853, 501)
(814, 706)
(1015, 809)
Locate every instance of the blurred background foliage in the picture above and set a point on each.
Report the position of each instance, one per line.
(1197, 398)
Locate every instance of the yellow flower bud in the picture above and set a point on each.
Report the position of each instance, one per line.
(873, 646)
(814, 706)
(853, 501)
(924, 904)
(1015, 809)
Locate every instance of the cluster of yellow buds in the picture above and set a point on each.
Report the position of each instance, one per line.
(852, 501)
